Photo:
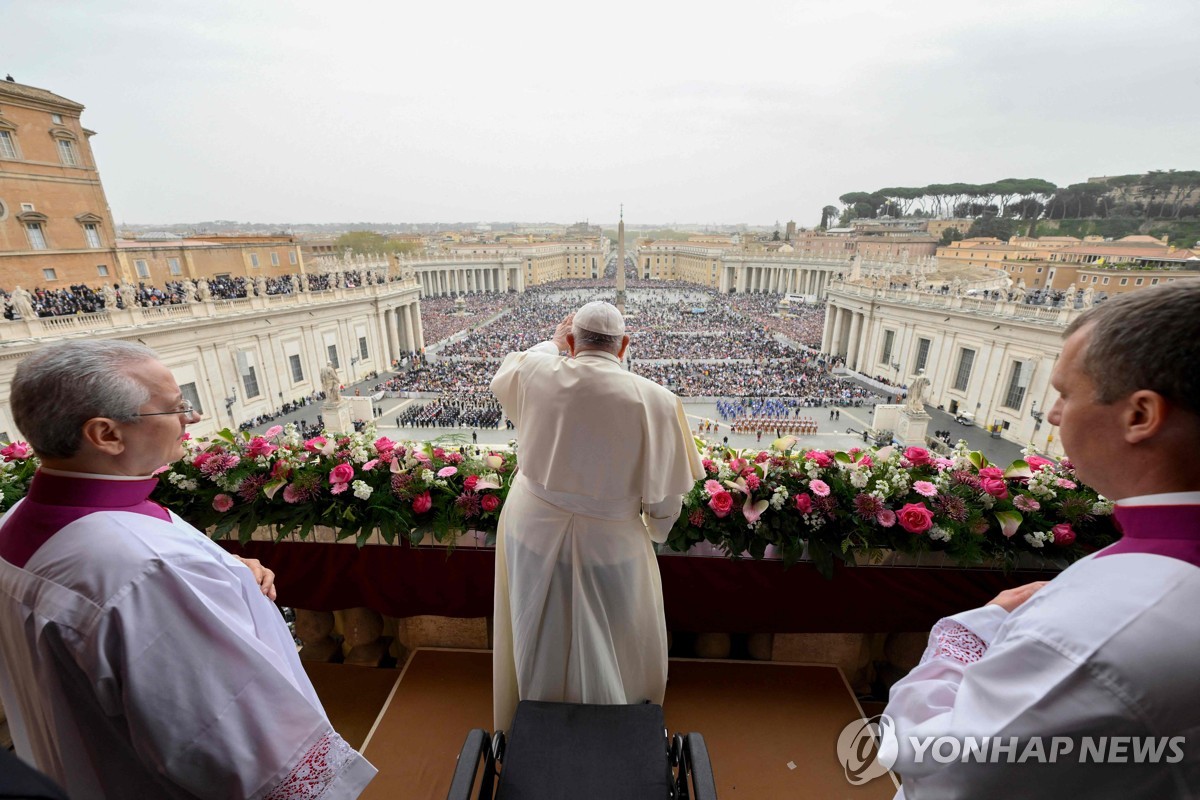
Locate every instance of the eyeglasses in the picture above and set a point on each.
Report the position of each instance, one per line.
(186, 409)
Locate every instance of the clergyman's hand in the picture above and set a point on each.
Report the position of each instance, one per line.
(1011, 599)
(560, 333)
(264, 577)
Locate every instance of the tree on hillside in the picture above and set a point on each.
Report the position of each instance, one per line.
(950, 235)
(992, 225)
(828, 213)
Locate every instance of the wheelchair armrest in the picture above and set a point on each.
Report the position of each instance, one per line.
(699, 767)
(477, 747)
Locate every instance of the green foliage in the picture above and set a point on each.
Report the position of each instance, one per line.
(370, 243)
(988, 225)
(950, 235)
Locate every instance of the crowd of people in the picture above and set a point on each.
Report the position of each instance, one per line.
(453, 411)
(780, 425)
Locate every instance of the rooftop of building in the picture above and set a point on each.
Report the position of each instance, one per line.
(11, 89)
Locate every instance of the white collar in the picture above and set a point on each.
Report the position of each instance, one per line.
(1163, 499)
(599, 354)
(93, 475)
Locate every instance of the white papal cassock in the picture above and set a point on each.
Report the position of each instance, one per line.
(604, 459)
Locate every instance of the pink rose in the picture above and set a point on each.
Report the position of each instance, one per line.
(446, 472)
(439, 452)
(342, 473)
(803, 503)
(819, 487)
(259, 446)
(470, 482)
(819, 457)
(489, 502)
(709, 466)
(422, 503)
(991, 472)
(996, 487)
(1064, 535)
(1037, 463)
(16, 451)
(886, 518)
(384, 446)
(273, 431)
(721, 503)
(866, 461)
(915, 518)
(222, 503)
(455, 458)
(917, 456)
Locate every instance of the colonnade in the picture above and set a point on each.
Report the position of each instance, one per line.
(455, 279)
(402, 330)
(776, 279)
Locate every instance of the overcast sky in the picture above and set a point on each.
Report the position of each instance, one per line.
(557, 111)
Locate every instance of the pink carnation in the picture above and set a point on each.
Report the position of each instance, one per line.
(370, 465)
(446, 472)
(752, 482)
(222, 503)
(819, 487)
(1063, 483)
(338, 488)
(290, 495)
(1024, 502)
(886, 518)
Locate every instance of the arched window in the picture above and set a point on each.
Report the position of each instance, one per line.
(68, 152)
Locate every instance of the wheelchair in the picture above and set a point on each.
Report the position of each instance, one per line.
(556, 751)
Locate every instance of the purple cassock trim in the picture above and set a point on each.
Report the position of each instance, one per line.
(55, 501)
(1171, 531)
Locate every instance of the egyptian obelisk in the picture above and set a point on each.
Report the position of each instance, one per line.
(621, 262)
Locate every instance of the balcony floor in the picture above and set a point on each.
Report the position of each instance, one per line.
(756, 717)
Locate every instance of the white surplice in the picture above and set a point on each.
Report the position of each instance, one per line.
(1109, 648)
(138, 659)
(605, 458)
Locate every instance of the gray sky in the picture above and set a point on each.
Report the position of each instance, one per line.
(551, 111)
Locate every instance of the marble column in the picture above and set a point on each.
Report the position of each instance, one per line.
(852, 344)
(420, 331)
(839, 323)
(410, 338)
(392, 338)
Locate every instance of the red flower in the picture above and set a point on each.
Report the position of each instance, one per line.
(469, 483)
(489, 502)
(803, 503)
(422, 503)
(996, 487)
(915, 518)
(721, 503)
(917, 456)
(1064, 535)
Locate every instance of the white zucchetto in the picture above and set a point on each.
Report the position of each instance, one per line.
(600, 317)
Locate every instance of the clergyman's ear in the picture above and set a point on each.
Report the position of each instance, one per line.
(104, 435)
(1145, 415)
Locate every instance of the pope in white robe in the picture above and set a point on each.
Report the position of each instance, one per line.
(604, 459)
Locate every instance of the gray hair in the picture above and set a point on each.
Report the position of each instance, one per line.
(591, 340)
(60, 387)
(1146, 339)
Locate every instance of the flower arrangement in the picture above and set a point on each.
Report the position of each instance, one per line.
(356, 483)
(830, 506)
(833, 505)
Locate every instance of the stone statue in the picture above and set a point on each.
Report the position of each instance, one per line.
(22, 303)
(202, 290)
(956, 287)
(856, 268)
(189, 292)
(128, 298)
(1071, 293)
(1089, 297)
(110, 297)
(1018, 295)
(916, 393)
(330, 382)
(341, 280)
(260, 286)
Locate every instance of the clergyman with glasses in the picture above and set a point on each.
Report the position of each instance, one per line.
(138, 658)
